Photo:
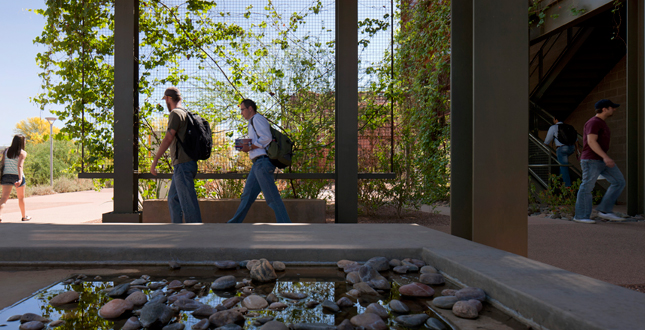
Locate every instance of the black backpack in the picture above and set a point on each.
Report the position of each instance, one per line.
(280, 149)
(198, 140)
(567, 135)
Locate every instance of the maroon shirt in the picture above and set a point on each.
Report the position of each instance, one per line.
(598, 127)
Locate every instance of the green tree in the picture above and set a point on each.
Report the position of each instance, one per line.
(66, 155)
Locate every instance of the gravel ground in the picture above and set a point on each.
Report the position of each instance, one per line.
(387, 214)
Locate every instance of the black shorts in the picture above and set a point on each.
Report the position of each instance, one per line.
(10, 180)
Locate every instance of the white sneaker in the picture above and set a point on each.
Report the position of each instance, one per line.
(610, 216)
(584, 220)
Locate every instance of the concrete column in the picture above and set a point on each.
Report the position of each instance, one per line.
(635, 176)
(500, 124)
(126, 103)
(461, 119)
(346, 111)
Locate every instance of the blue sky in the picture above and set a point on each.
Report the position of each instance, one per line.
(19, 70)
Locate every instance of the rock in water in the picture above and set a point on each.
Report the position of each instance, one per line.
(223, 318)
(353, 278)
(311, 326)
(115, 308)
(65, 298)
(14, 318)
(155, 313)
(230, 302)
(345, 325)
(201, 325)
(377, 309)
(432, 279)
(204, 311)
(119, 290)
(263, 272)
(185, 304)
(132, 324)
(399, 307)
(174, 326)
(32, 325)
(428, 270)
(344, 302)
(294, 295)
(412, 321)
(274, 325)
(224, 283)
(279, 266)
(435, 324)
(368, 321)
(56, 323)
(365, 289)
(330, 306)
(370, 276)
(255, 302)
(344, 263)
(227, 264)
(416, 290)
(137, 298)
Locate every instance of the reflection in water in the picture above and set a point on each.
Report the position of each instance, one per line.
(319, 284)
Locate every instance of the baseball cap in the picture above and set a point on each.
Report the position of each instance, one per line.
(605, 103)
(172, 92)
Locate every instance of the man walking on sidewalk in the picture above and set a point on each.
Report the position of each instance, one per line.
(595, 161)
(261, 176)
(182, 197)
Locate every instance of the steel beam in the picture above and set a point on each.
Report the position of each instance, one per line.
(635, 108)
(461, 119)
(126, 103)
(346, 111)
(500, 122)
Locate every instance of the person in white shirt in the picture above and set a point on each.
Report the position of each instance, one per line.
(562, 150)
(261, 175)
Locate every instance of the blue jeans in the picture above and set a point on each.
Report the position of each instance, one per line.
(261, 179)
(563, 153)
(182, 198)
(591, 168)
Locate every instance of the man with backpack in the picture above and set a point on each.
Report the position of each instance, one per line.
(182, 198)
(565, 139)
(261, 175)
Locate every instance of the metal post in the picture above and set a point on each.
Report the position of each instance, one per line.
(126, 36)
(51, 121)
(500, 98)
(346, 111)
(461, 119)
(635, 176)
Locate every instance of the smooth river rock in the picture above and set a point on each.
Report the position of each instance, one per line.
(226, 264)
(132, 324)
(201, 325)
(181, 295)
(412, 321)
(478, 304)
(344, 263)
(395, 263)
(353, 278)
(330, 306)
(119, 290)
(204, 311)
(448, 292)
(465, 310)
(471, 293)
(224, 283)
(416, 290)
(365, 289)
(311, 326)
(294, 295)
(432, 279)
(56, 323)
(372, 277)
(32, 325)
(435, 324)
(185, 304)
(428, 270)
(399, 306)
(137, 298)
(115, 308)
(278, 306)
(368, 321)
(174, 326)
(155, 313)
(65, 298)
(230, 302)
(176, 285)
(381, 264)
(279, 266)
(255, 302)
(377, 309)
(223, 318)
(274, 325)
(445, 302)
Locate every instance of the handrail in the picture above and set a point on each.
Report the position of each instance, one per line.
(543, 114)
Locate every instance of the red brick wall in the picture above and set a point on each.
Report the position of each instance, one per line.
(613, 87)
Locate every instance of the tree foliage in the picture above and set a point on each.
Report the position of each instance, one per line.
(35, 129)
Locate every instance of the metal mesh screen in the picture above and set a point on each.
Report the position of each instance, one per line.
(282, 56)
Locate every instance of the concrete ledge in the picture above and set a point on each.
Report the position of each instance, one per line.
(548, 296)
(222, 210)
(112, 217)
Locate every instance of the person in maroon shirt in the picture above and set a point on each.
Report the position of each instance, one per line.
(595, 161)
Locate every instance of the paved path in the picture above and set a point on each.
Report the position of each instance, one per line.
(611, 252)
(68, 208)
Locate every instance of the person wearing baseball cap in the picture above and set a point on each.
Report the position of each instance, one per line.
(595, 161)
(182, 197)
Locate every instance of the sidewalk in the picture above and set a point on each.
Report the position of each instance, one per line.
(68, 208)
(610, 252)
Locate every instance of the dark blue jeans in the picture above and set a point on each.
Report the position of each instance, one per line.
(182, 198)
(261, 179)
(563, 153)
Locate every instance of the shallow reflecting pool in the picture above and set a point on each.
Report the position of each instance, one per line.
(319, 284)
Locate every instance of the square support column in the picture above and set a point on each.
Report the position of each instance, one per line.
(346, 111)
(461, 119)
(635, 176)
(126, 104)
(500, 124)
